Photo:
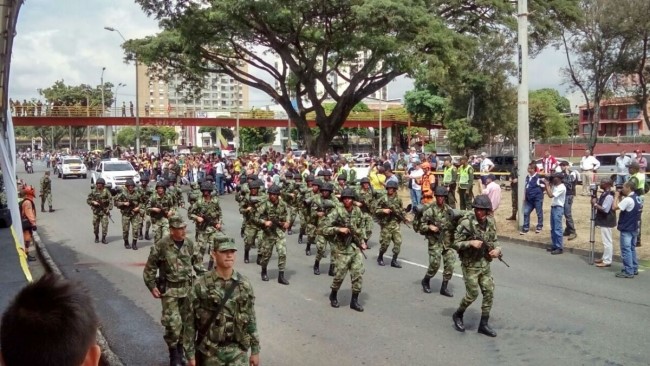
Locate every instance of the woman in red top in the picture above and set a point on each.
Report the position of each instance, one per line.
(28, 212)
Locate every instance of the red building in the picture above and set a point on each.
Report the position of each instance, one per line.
(618, 117)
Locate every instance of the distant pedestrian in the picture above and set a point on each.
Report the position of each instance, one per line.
(549, 164)
(28, 217)
(643, 162)
(557, 191)
(628, 226)
(123, 109)
(131, 109)
(570, 180)
(533, 199)
(588, 167)
(605, 220)
(622, 171)
(493, 191)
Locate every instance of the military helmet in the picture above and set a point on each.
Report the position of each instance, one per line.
(317, 182)
(391, 184)
(365, 180)
(321, 173)
(326, 172)
(342, 176)
(100, 181)
(348, 192)
(310, 178)
(256, 184)
(206, 186)
(251, 176)
(288, 174)
(482, 201)
(297, 176)
(129, 182)
(274, 189)
(327, 186)
(440, 191)
(160, 184)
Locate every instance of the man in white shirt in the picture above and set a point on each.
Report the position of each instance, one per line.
(486, 167)
(493, 191)
(622, 171)
(588, 167)
(219, 175)
(416, 181)
(605, 219)
(558, 193)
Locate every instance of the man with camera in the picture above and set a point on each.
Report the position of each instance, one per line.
(558, 194)
(605, 219)
(570, 180)
(628, 226)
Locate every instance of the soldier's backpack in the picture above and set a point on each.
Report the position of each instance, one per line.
(418, 212)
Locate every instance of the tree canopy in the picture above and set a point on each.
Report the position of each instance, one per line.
(126, 135)
(546, 108)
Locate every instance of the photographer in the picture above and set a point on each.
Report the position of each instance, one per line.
(628, 225)
(558, 194)
(570, 179)
(605, 219)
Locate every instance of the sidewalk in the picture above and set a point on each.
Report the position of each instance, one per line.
(12, 276)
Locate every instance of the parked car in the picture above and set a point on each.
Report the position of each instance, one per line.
(608, 164)
(71, 166)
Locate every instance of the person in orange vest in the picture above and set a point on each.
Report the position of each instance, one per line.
(428, 183)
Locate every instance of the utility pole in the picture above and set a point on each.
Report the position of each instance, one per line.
(109, 135)
(523, 138)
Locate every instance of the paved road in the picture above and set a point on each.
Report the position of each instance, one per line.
(547, 310)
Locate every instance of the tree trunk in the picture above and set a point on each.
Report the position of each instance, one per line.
(595, 125)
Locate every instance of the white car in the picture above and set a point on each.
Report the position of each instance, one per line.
(115, 172)
(72, 165)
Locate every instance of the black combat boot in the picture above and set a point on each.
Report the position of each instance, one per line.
(140, 236)
(514, 215)
(458, 320)
(317, 267)
(104, 239)
(241, 231)
(51, 209)
(181, 354)
(331, 271)
(43, 207)
(380, 259)
(300, 234)
(96, 238)
(134, 244)
(354, 302)
(484, 328)
(426, 287)
(265, 277)
(174, 357)
(394, 263)
(289, 232)
(334, 302)
(126, 244)
(259, 259)
(443, 289)
(281, 279)
(308, 249)
(246, 252)
(146, 235)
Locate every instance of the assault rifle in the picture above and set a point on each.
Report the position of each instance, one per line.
(486, 247)
(276, 223)
(324, 205)
(353, 238)
(161, 278)
(396, 213)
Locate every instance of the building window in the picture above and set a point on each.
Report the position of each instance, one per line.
(633, 111)
(631, 129)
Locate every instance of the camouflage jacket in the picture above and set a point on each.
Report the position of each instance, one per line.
(266, 211)
(319, 204)
(243, 192)
(250, 202)
(46, 185)
(435, 215)
(393, 203)
(340, 217)
(236, 322)
(366, 198)
(338, 189)
(177, 266)
(194, 194)
(210, 211)
(134, 199)
(105, 201)
(469, 229)
(164, 202)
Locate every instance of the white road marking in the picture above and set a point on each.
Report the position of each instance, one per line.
(425, 267)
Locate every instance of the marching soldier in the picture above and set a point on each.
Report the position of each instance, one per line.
(311, 220)
(390, 213)
(176, 260)
(272, 216)
(101, 202)
(144, 193)
(296, 204)
(226, 330)
(341, 180)
(320, 207)
(150, 192)
(243, 190)
(160, 207)
(449, 179)
(364, 200)
(206, 213)
(289, 196)
(247, 207)
(475, 241)
(46, 191)
(303, 203)
(339, 224)
(438, 229)
(129, 203)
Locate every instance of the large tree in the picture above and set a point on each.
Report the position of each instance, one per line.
(546, 107)
(360, 44)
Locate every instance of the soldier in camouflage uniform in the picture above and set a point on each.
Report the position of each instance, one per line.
(129, 203)
(206, 213)
(143, 191)
(192, 196)
(46, 191)
(389, 210)
(225, 334)
(321, 206)
(289, 194)
(364, 200)
(303, 202)
(341, 180)
(311, 220)
(101, 202)
(341, 222)
(247, 207)
(160, 208)
(438, 230)
(176, 194)
(475, 240)
(150, 192)
(296, 205)
(177, 261)
(272, 216)
(242, 191)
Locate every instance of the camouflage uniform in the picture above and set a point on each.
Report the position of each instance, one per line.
(438, 243)
(390, 227)
(100, 212)
(46, 192)
(365, 197)
(304, 192)
(159, 219)
(311, 221)
(234, 331)
(289, 195)
(210, 210)
(130, 216)
(179, 266)
(320, 205)
(247, 207)
(346, 257)
(272, 237)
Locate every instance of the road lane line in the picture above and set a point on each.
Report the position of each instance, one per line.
(425, 267)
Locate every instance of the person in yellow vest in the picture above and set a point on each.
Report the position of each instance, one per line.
(377, 177)
(449, 179)
(427, 181)
(465, 182)
(638, 179)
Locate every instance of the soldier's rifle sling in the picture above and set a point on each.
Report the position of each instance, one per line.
(203, 332)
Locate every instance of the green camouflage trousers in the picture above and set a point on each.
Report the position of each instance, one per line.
(96, 220)
(311, 233)
(160, 228)
(302, 215)
(251, 233)
(366, 226)
(343, 263)
(321, 245)
(438, 252)
(46, 197)
(465, 197)
(451, 195)
(147, 220)
(390, 233)
(266, 250)
(228, 355)
(176, 316)
(134, 222)
(478, 278)
(293, 212)
(205, 240)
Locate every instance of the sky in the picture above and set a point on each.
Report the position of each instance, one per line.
(66, 40)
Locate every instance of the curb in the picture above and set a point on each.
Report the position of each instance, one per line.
(110, 358)
(537, 244)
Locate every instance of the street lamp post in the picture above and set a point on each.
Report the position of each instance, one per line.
(523, 137)
(137, 99)
(108, 135)
(381, 108)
